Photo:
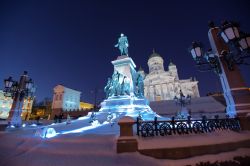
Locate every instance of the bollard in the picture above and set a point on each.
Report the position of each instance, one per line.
(126, 142)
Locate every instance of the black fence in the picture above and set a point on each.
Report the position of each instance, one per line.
(204, 125)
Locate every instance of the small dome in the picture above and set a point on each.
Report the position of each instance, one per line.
(154, 54)
(171, 63)
(140, 69)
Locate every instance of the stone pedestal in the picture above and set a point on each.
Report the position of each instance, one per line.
(245, 122)
(126, 126)
(126, 142)
(126, 104)
(125, 66)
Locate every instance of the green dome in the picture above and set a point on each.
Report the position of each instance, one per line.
(154, 54)
(140, 69)
(171, 63)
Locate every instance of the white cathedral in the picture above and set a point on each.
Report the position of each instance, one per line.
(165, 85)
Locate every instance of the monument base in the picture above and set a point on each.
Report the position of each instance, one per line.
(127, 106)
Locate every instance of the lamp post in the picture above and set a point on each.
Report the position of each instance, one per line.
(18, 91)
(205, 61)
(230, 48)
(95, 92)
(182, 101)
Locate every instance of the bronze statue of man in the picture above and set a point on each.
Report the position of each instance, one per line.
(123, 44)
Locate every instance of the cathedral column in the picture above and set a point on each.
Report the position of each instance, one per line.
(162, 93)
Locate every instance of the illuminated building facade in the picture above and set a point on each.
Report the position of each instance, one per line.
(65, 98)
(66, 101)
(5, 106)
(165, 85)
(86, 106)
(27, 108)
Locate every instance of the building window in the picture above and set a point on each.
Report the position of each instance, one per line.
(60, 96)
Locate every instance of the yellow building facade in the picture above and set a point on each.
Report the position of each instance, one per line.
(86, 106)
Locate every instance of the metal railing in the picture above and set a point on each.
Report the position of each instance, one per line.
(188, 126)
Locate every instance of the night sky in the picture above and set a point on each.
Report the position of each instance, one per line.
(72, 42)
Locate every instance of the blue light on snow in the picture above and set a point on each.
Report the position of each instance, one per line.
(93, 126)
(46, 132)
(49, 133)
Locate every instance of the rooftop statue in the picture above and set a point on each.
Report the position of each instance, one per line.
(123, 44)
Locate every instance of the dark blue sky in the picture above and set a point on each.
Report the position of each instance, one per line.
(71, 42)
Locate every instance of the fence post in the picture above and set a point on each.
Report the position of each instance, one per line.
(217, 122)
(155, 124)
(239, 125)
(204, 119)
(189, 123)
(137, 126)
(173, 124)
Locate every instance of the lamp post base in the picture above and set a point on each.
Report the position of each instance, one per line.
(15, 120)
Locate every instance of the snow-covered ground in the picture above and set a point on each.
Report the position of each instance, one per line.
(217, 137)
(81, 143)
(18, 149)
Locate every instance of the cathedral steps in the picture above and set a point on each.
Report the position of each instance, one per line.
(199, 106)
(186, 146)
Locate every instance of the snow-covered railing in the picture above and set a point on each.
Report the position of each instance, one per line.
(170, 127)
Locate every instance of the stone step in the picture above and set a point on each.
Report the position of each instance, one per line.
(185, 146)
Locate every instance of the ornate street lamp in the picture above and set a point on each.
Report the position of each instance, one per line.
(230, 48)
(238, 43)
(244, 42)
(18, 91)
(30, 88)
(229, 31)
(8, 82)
(204, 61)
(182, 101)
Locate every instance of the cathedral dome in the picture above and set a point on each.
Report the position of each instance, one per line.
(155, 63)
(171, 63)
(154, 54)
(140, 69)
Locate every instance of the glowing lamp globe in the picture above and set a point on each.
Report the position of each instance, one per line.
(229, 31)
(196, 50)
(244, 41)
(29, 84)
(8, 82)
